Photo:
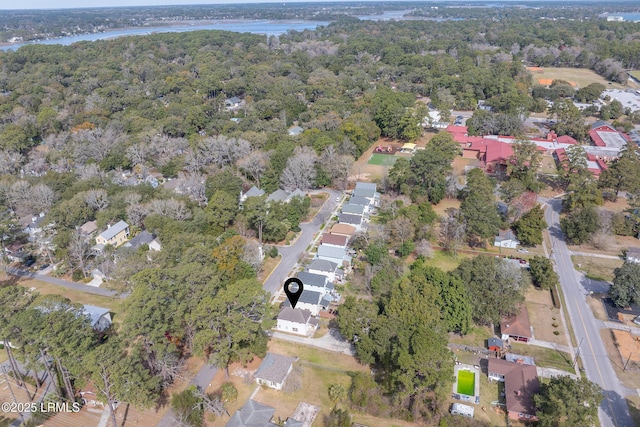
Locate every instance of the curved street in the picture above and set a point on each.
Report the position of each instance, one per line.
(595, 360)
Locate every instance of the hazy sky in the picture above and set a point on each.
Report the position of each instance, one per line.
(59, 4)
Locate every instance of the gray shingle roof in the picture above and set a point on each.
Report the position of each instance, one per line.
(312, 279)
(294, 315)
(359, 200)
(349, 219)
(364, 192)
(254, 192)
(278, 196)
(366, 186)
(112, 231)
(353, 209)
(94, 313)
(331, 251)
(252, 414)
(323, 265)
(143, 238)
(274, 368)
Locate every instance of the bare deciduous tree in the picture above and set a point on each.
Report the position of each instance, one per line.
(171, 208)
(300, 170)
(42, 197)
(252, 255)
(452, 230)
(10, 161)
(254, 164)
(19, 197)
(423, 247)
(79, 253)
(400, 230)
(96, 199)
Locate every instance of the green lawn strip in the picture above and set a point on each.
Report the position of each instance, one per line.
(545, 357)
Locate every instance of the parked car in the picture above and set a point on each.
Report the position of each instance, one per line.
(29, 262)
(43, 266)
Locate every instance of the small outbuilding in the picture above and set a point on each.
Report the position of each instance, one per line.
(460, 409)
(495, 344)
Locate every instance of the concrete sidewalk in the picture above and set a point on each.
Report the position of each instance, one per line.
(332, 341)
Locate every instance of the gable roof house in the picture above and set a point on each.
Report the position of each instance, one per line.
(295, 131)
(233, 103)
(325, 268)
(517, 326)
(343, 230)
(315, 282)
(353, 220)
(115, 235)
(633, 255)
(284, 196)
(337, 240)
(311, 301)
(520, 383)
(274, 370)
(367, 190)
(252, 414)
(296, 321)
(495, 344)
(142, 238)
(100, 317)
(333, 254)
(252, 192)
(506, 239)
(353, 209)
(88, 228)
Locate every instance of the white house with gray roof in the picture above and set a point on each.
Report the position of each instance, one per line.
(325, 268)
(333, 254)
(252, 414)
(100, 317)
(367, 190)
(284, 196)
(349, 219)
(353, 209)
(252, 192)
(311, 301)
(274, 370)
(316, 282)
(296, 321)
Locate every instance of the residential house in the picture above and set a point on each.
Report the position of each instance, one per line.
(506, 239)
(296, 321)
(520, 384)
(284, 196)
(100, 317)
(325, 268)
(252, 414)
(333, 254)
(337, 240)
(155, 245)
(517, 326)
(142, 238)
(367, 190)
(33, 225)
(15, 251)
(88, 228)
(361, 201)
(343, 230)
(311, 301)
(315, 282)
(353, 220)
(274, 370)
(115, 235)
(633, 255)
(252, 192)
(295, 131)
(233, 103)
(353, 209)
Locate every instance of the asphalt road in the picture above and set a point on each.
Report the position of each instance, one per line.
(596, 363)
(291, 254)
(64, 283)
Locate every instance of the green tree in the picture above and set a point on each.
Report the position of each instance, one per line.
(337, 393)
(229, 392)
(529, 227)
(231, 325)
(524, 163)
(389, 107)
(625, 289)
(478, 208)
(564, 401)
(580, 224)
(569, 120)
(188, 407)
(542, 272)
(623, 174)
(494, 287)
(590, 92)
(120, 376)
(338, 418)
(223, 208)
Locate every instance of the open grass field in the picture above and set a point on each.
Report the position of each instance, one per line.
(476, 337)
(580, 77)
(382, 159)
(75, 296)
(636, 75)
(445, 261)
(596, 268)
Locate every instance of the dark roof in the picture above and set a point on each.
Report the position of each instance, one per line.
(334, 239)
(323, 265)
(363, 192)
(353, 209)
(252, 414)
(307, 297)
(349, 219)
(495, 342)
(279, 196)
(274, 368)
(520, 383)
(505, 235)
(312, 279)
(517, 325)
(254, 192)
(295, 315)
(112, 231)
(142, 238)
(361, 201)
(366, 186)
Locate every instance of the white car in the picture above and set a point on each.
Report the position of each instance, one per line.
(337, 199)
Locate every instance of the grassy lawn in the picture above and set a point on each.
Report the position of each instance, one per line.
(268, 266)
(597, 268)
(545, 357)
(445, 261)
(476, 337)
(580, 76)
(444, 204)
(543, 316)
(382, 159)
(548, 165)
(317, 201)
(75, 296)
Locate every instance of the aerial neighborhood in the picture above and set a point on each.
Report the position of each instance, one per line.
(453, 190)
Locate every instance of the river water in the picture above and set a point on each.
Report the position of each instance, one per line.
(260, 26)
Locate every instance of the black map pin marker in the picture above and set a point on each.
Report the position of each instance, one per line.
(293, 295)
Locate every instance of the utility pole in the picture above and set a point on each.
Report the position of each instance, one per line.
(575, 361)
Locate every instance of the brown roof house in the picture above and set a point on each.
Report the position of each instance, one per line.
(274, 370)
(330, 239)
(343, 229)
(517, 326)
(520, 385)
(296, 321)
